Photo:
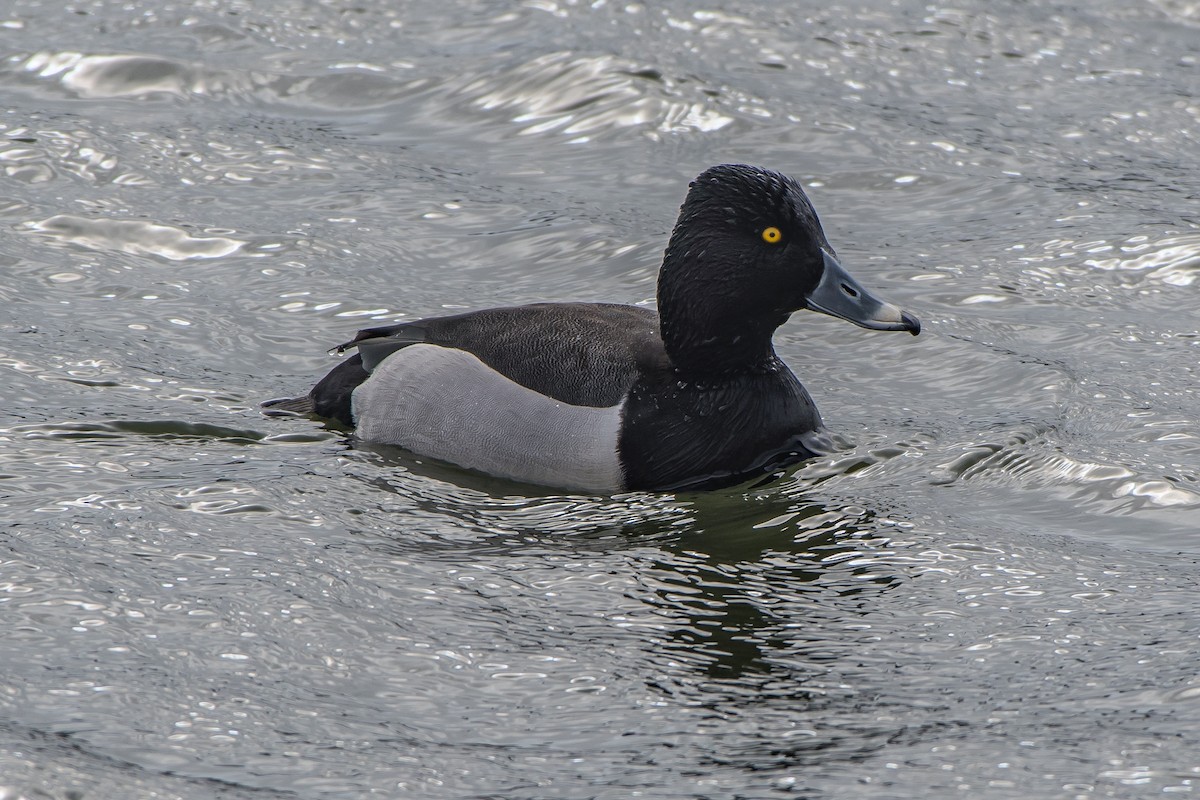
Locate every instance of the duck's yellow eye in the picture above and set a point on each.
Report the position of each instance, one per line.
(772, 235)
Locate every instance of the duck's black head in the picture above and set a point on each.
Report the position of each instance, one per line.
(747, 251)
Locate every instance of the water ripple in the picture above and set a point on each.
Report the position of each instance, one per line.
(561, 93)
(167, 430)
(1065, 265)
(39, 156)
(128, 76)
(1173, 260)
(136, 237)
(1029, 461)
(111, 76)
(583, 96)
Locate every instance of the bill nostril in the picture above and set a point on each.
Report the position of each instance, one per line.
(849, 290)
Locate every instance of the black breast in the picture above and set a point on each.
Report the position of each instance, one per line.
(677, 435)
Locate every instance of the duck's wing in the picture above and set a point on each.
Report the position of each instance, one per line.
(584, 354)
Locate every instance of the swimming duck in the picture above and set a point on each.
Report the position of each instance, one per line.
(603, 397)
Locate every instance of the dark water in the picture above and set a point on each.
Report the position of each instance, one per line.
(989, 591)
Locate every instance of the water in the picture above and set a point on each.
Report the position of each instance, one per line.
(988, 591)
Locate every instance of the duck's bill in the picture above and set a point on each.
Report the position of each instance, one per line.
(839, 295)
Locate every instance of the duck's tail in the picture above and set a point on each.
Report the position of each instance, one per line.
(287, 406)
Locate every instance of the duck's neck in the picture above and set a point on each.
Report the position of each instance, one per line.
(705, 344)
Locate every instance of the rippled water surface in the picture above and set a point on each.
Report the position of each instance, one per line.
(989, 590)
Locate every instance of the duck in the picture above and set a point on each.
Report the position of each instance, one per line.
(609, 398)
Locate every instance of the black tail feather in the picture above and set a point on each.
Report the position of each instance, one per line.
(284, 406)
